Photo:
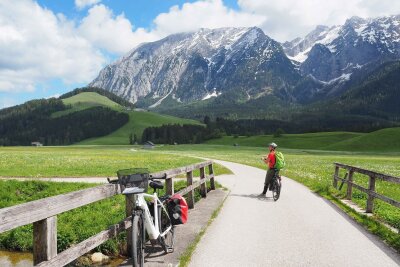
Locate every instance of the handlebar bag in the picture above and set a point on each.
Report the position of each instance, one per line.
(178, 209)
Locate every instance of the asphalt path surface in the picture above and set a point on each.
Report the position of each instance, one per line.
(300, 229)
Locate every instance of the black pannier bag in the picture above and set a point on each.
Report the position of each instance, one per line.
(177, 209)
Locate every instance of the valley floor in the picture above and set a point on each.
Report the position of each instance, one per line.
(312, 168)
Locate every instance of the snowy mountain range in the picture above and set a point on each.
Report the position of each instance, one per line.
(246, 63)
(328, 53)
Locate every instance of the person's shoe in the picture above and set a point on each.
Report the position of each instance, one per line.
(261, 195)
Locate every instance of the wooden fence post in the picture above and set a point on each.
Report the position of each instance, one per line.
(350, 185)
(169, 186)
(190, 195)
(370, 200)
(211, 172)
(44, 240)
(335, 181)
(129, 206)
(203, 187)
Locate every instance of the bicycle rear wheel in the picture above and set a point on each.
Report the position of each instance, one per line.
(276, 189)
(138, 240)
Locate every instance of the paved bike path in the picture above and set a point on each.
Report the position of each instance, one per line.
(300, 229)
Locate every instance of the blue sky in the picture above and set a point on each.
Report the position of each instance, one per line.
(51, 46)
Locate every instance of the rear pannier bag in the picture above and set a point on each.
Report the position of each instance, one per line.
(178, 209)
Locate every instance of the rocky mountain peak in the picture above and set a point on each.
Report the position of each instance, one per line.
(196, 65)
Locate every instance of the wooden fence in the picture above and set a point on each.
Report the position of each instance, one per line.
(370, 191)
(43, 214)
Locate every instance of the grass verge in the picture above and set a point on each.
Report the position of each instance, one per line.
(368, 223)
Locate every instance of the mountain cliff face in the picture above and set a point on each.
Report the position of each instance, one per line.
(201, 65)
(243, 64)
(336, 52)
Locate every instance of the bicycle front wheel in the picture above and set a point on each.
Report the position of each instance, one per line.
(167, 241)
(138, 241)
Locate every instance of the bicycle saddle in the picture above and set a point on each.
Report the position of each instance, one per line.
(156, 185)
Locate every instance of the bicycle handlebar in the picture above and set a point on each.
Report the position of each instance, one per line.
(115, 181)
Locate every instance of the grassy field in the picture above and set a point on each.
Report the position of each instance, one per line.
(84, 161)
(295, 141)
(90, 97)
(385, 140)
(310, 167)
(138, 121)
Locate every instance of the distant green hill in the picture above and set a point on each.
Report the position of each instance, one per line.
(34, 121)
(88, 116)
(385, 140)
(295, 141)
(84, 101)
(138, 121)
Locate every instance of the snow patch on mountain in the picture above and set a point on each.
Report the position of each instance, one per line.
(160, 101)
(210, 95)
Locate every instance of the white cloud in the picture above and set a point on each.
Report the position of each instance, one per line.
(203, 14)
(38, 46)
(80, 4)
(112, 33)
(116, 34)
(288, 19)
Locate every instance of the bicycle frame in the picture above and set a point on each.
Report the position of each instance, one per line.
(151, 228)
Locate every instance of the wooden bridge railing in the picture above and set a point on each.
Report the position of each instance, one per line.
(370, 191)
(43, 214)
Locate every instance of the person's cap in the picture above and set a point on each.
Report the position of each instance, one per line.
(273, 145)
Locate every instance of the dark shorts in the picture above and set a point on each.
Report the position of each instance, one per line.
(269, 176)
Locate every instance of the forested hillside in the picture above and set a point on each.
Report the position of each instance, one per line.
(32, 122)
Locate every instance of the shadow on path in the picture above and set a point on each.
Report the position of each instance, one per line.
(254, 196)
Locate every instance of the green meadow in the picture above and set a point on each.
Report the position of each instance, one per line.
(85, 161)
(308, 162)
(381, 141)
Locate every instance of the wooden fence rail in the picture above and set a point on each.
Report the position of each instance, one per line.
(43, 214)
(370, 191)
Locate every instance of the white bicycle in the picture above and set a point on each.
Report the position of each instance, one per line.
(148, 216)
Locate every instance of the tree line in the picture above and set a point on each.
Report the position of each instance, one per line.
(193, 134)
(180, 134)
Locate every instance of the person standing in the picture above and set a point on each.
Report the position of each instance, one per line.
(270, 160)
